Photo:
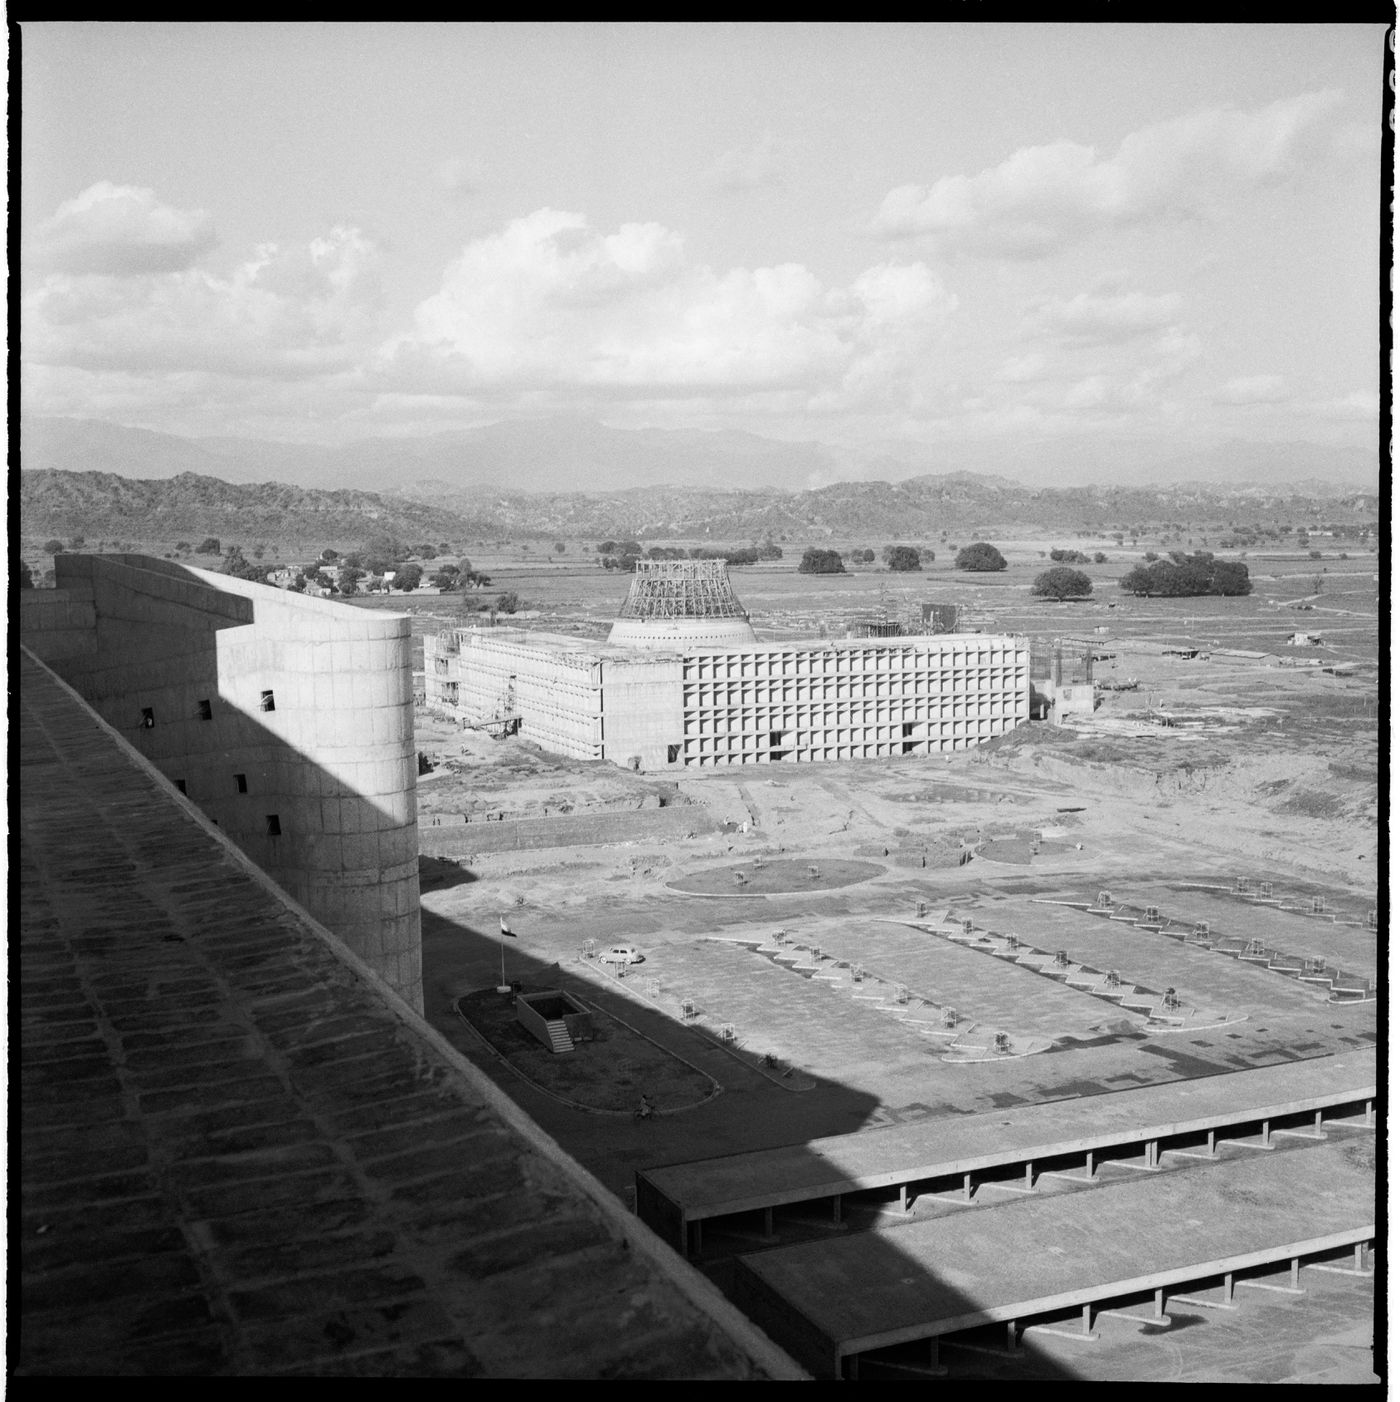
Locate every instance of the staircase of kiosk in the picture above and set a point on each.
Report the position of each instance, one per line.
(559, 1039)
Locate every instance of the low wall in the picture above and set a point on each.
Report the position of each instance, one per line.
(457, 839)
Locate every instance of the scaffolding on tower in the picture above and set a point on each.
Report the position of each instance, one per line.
(681, 589)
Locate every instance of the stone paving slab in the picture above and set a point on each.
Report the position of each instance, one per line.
(1042, 1252)
(240, 1153)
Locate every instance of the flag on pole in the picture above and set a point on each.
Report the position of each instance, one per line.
(506, 930)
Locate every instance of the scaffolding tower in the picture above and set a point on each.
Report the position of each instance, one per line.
(681, 589)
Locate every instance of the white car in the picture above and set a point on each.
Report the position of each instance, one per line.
(622, 954)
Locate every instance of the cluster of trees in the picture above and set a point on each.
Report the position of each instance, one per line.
(623, 555)
(816, 561)
(1069, 557)
(450, 578)
(902, 557)
(980, 557)
(1188, 576)
(1062, 583)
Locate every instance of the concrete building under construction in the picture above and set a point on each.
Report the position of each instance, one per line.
(683, 681)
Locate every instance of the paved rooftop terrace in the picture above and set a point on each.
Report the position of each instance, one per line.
(916, 1281)
(930, 1149)
(240, 1153)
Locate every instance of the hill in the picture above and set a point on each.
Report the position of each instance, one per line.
(103, 504)
(960, 505)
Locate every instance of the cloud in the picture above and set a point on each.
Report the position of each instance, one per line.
(551, 303)
(1043, 197)
(746, 168)
(1253, 389)
(286, 312)
(1022, 369)
(121, 231)
(1101, 319)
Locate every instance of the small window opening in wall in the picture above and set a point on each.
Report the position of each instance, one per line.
(148, 718)
(180, 784)
(242, 781)
(274, 825)
(206, 710)
(673, 753)
(268, 704)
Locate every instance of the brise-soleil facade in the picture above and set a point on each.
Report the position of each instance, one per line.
(756, 703)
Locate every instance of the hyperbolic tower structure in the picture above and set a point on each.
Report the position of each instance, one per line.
(682, 603)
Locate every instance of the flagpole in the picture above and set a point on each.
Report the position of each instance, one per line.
(503, 986)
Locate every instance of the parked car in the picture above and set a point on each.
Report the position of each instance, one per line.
(622, 954)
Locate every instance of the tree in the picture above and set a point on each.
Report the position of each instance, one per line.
(329, 556)
(1100, 558)
(53, 547)
(1062, 583)
(980, 557)
(1069, 557)
(508, 602)
(769, 551)
(1188, 578)
(902, 558)
(209, 546)
(447, 578)
(608, 547)
(408, 577)
(816, 561)
(240, 568)
(559, 547)
(348, 579)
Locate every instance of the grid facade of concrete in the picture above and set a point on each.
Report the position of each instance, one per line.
(286, 720)
(761, 704)
(852, 700)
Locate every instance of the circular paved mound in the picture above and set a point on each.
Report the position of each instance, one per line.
(775, 877)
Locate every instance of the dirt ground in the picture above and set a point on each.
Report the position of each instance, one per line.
(1268, 773)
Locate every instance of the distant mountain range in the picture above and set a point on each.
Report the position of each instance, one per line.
(572, 454)
(105, 506)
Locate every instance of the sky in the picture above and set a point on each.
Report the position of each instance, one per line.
(857, 234)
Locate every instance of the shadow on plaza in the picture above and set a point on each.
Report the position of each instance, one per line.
(458, 959)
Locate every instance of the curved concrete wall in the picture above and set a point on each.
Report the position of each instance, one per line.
(320, 789)
(682, 634)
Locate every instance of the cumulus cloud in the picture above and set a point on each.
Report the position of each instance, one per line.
(1043, 197)
(284, 312)
(1253, 389)
(121, 231)
(550, 302)
(1095, 317)
(747, 168)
